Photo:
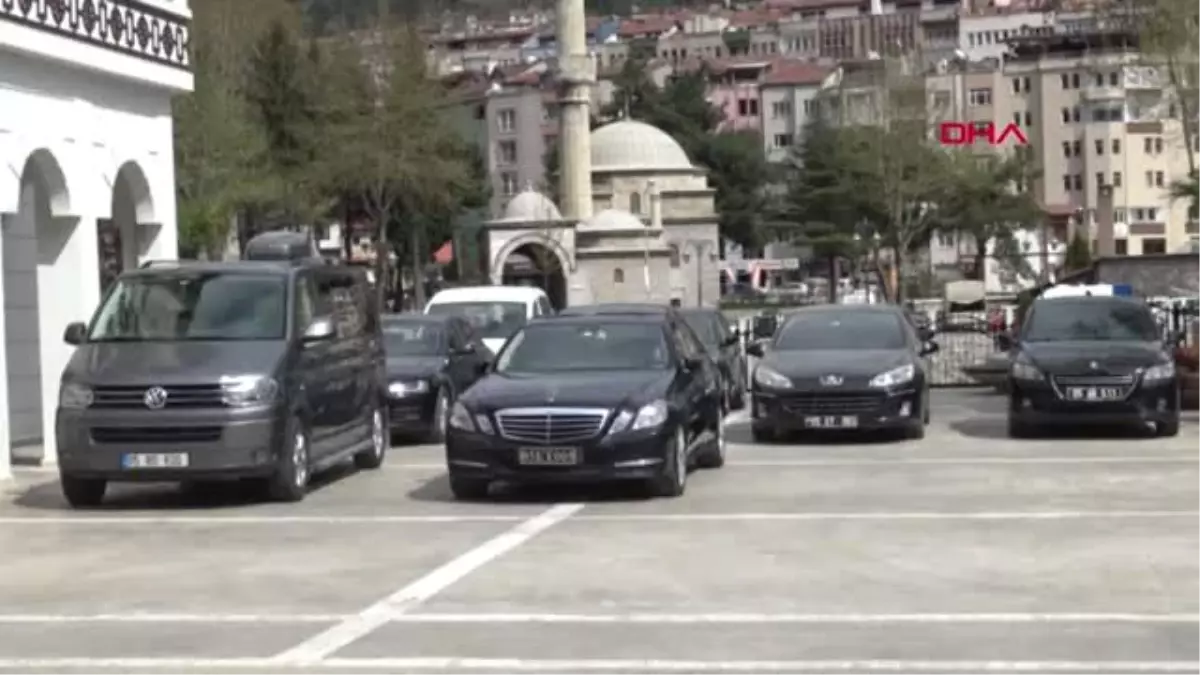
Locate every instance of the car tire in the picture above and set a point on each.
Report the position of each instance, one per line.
(289, 483)
(83, 493)
(915, 432)
(673, 480)
(1019, 429)
(441, 413)
(381, 440)
(738, 400)
(467, 489)
(1167, 429)
(714, 457)
(762, 433)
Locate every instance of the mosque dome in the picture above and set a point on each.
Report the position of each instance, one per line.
(629, 145)
(613, 219)
(531, 206)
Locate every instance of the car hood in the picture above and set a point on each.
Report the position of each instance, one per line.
(607, 389)
(854, 366)
(1116, 358)
(415, 367)
(199, 362)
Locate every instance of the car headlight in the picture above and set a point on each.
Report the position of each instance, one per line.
(650, 416)
(771, 379)
(1161, 371)
(407, 388)
(1023, 369)
(248, 390)
(73, 396)
(895, 377)
(460, 418)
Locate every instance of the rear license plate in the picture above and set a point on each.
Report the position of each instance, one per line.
(1095, 393)
(548, 456)
(154, 460)
(831, 422)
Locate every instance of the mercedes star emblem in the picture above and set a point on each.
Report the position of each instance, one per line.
(1094, 366)
(831, 380)
(155, 398)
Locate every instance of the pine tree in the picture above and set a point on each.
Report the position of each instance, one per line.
(1078, 255)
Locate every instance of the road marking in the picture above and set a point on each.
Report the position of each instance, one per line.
(258, 520)
(902, 461)
(885, 515)
(170, 618)
(649, 618)
(330, 641)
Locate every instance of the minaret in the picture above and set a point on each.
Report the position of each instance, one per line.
(576, 75)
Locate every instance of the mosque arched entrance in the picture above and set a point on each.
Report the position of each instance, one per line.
(535, 264)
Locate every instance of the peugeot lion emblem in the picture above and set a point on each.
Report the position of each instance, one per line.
(1094, 366)
(155, 398)
(831, 380)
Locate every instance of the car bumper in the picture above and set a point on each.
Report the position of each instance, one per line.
(873, 409)
(1038, 403)
(219, 444)
(633, 456)
(411, 414)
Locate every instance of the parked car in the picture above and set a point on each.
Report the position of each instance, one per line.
(623, 397)
(1092, 360)
(271, 370)
(431, 360)
(724, 346)
(841, 367)
(495, 311)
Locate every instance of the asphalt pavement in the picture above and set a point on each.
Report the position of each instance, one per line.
(962, 552)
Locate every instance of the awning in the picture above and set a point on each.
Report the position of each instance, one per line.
(445, 254)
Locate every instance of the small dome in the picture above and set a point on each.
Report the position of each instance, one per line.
(630, 145)
(613, 219)
(531, 206)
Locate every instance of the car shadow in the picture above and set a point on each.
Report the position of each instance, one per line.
(437, 489)
(740, 433)
(996, 427)
(46, 495)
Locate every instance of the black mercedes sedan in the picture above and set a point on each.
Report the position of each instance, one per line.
(725, 347)
(589, 399)
(1091, 360)
(431, 360)
(841, 367)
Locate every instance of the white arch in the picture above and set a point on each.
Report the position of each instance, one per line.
(58, 168)
(131, 172)
(537, 238)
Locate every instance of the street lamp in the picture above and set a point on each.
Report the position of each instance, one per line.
(699, 248)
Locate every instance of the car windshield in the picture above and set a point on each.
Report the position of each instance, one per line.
(707, 327)
(842, 331)
(413, 338)
(565, 347)
(193, 306)
(1064, 320)
(491, 319)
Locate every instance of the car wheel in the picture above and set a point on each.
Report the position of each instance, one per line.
(469, 489)
(915, 432)
(925, 414)
(440, 417)
(1167, 429)
(1019, 429)
(714, 457)
(290, 482)
(737, 398)
(763, 433)
(82, 493)
(380, 440)
(673, 480)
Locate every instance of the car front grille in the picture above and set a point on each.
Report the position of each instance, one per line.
(131, 435)
(550, 426)
(178, 396)
(815, 403)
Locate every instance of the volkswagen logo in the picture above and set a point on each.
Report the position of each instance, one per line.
(155, 398)
(831, 380)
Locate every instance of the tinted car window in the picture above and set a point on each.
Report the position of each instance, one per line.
(707, 327)
(562, 347)
(842, 331)
(196, 306)
(1060, 320)
(491, 319)
(413, 338)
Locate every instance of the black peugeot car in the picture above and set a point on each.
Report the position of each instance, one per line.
(431, 360)
(590, 399)
(1091, 360)
(724, 346)
(841, 367)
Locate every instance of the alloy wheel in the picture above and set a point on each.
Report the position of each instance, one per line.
(377, 433)
(681, 457)
(300, 459)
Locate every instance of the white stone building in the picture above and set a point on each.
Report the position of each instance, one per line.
(86, 171)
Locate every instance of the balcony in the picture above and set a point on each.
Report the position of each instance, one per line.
(1103, 93)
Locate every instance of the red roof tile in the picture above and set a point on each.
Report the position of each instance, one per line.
(794, 72)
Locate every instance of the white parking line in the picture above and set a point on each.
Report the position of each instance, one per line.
(170, 618)
(322, 645)
(887, 515)
(902, 461)
(258, 520)
(723, 618)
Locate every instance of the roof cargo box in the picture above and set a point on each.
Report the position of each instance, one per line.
(280, 245)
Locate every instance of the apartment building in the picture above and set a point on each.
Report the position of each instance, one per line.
(789, 98)
(986, 35)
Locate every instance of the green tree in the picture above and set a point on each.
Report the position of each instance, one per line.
(1078, 255)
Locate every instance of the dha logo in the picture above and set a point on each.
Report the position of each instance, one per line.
(968, 133)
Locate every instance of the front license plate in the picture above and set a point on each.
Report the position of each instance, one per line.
(831, 422)
(548, 456)
(154, 460)
(1094, 393)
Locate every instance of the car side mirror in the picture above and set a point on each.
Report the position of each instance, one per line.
(319, 330)
(75, 334)
(756, 349)
(930, 347)
(466, 350)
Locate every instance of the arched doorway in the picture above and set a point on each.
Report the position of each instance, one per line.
(41, 295)
(534, 264)
(124, 240)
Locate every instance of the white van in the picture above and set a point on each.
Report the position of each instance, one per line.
(496, 311)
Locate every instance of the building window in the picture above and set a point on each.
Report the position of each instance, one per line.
(783, 140)
(1078, 147)
(1074, 80)
(1066, 81)
(618, 276)
(674, 256)
(506, 120)
(1114, 79)
(1116, 146)
(1099, 147)
(747, 107)
(1148, 145)
(1067, 182)
(781, 109)
(508, 183)
(1025, 81)
(1016, 85)
(635, 203)
(1154, 246)
(1066, 149)
(1099, 179)
(1118, 215)
(506, 152)
(1117, 178)
(1028, 119)
(978, 97)
(1099, 78)
(1159, 179)
(1158, 146)
(1078, 180)
(1066, 115)
(1075, 114)
(1121, 246)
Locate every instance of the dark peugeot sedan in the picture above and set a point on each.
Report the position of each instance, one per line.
(724, 346)
(431, 359)
(590, 399)
(1091, 360)
(841, 367)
